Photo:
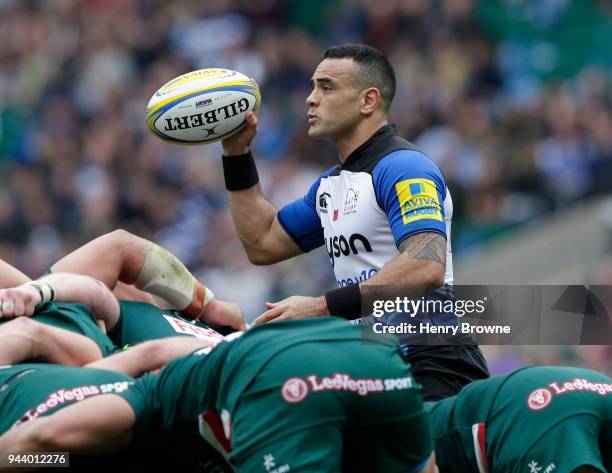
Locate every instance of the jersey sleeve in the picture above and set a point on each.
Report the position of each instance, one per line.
(411, 190)
(301, 220)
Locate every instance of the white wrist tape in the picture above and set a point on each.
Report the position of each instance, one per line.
(45, 290)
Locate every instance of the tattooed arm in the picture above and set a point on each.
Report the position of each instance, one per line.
(421, 263)
(418, 269)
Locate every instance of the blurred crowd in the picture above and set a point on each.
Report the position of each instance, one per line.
(510, 97)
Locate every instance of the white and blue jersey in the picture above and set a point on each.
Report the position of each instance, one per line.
(386, 191)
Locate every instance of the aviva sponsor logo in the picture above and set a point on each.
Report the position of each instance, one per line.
(418, 199)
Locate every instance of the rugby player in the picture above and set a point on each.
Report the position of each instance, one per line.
(130, 265)
(24, 339)
(57, 301)
(66, 333)
(122, 258)
(383, 212)
(304, 395)
(28, 391)
(82, 341)
(540, 419)
(124, 261)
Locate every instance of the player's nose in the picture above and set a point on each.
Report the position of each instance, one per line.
(311, 99)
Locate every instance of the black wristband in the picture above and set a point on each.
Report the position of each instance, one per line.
(344, 301)
(239, 171)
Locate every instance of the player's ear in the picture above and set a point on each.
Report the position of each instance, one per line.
(370, 100)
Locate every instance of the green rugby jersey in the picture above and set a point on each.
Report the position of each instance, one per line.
(327, 376)
(31, 390)
(140, 321)
(540, 419)
(75, 318)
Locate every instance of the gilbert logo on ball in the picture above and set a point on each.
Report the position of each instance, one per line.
(202, 106)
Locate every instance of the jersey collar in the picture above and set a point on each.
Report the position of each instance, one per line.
(372, 145)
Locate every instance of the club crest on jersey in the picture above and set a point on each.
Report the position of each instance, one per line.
(294, 390)
(539, 399)
(418, 199)
(323, 202)
(350, 201)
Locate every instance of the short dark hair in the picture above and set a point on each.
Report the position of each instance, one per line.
(375, 70)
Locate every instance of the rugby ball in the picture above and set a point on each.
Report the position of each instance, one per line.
(202, 106)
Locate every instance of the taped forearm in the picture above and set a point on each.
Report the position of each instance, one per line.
(165, 276)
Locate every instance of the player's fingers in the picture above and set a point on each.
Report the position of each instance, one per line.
(7, 307)
(251, 119)
(271, 305)
(268, 315)
(19, 310)
(30, 307)
(240, 142)
(251, 126)
(240, 324)
(283, 301)
(283, 316)
(262, 319)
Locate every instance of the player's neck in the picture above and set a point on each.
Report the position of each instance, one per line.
(358, 135)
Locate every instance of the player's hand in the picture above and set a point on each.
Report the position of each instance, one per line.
(240, 143)
(224, 314)
(18, 301)
(294, 307)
